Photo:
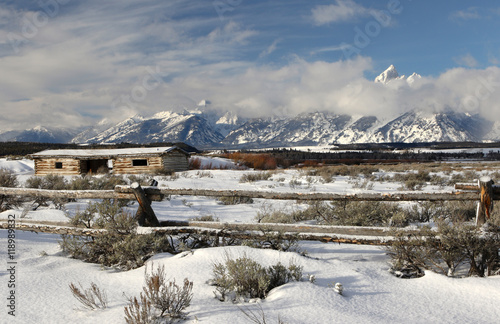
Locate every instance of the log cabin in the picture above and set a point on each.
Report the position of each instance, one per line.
(117, 161)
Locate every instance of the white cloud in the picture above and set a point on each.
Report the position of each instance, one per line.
(270, 49)
(466, 60)
(341, 11)
(337, 48)
(84, 66)
(467, 14)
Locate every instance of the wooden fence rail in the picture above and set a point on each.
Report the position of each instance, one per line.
(455, 195)
(157, 194)
(484, 192)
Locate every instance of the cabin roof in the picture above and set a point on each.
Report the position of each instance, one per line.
(107, 153)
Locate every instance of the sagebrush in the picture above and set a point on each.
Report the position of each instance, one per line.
(458, 248)
(244, 278)
(91, 298)
(160, 299)
(8, 179)
(120, 246)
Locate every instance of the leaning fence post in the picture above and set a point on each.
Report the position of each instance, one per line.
(145, 215)
(485, 206)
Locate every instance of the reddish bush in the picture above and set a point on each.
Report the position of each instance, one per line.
(256, 161)
(194, 163)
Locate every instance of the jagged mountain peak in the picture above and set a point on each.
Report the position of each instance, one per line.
(204, 103)
(164, 114)
(414, 77)
(391, 74)
(388, 75)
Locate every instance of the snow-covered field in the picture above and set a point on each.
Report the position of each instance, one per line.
(371, 293)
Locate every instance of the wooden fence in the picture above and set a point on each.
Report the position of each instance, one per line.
(483, 191)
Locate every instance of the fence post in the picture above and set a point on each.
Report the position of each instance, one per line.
(485, 206)
(145, 215)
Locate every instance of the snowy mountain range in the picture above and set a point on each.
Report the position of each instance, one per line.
(391, 74)
(205, 128)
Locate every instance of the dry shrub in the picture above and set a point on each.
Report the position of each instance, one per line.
(255, 176)
(8, 179)
(449, 249)
(276, 240)
(139, 311)
(91, 298)
(258, 161)
(350, 213)
(50, 182)
(258, 317)
(412, 180)
(244, 278)
(160, 299)
(120, 246)
(194, 163)
(234, 200)
(89, 182)
(204, 174)
(282, 216)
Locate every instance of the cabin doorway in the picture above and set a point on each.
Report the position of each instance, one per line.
(95, 166)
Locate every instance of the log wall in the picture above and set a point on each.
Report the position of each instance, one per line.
(124, 165)
(175, 161)
(48, 166)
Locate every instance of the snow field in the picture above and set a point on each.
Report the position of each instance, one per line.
(371, 293)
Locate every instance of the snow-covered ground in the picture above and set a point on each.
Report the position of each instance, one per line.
(371, 293)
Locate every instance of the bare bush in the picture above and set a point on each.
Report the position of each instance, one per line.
(91, 298)
(195, 163)
(276, 241)
(258, 317)
(352, 213)
(255, 176)
(166, 296)
(450, 249)
(120, 246)
(283, 216)
(49, 182)
(234, 200)
(139, 311)
(160, 299)
(8, 179)
(256, 161)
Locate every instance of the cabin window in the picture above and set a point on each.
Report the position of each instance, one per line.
(140, 162)
(59, 165)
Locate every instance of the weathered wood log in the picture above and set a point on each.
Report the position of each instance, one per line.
(153, 195)
(145, 214)
(75, 194)
(398, 196)
(157, 194)
(292, 228)
(253, 235)
(152, 192)
(223, 233)
(54, 229)
(475, 187)
(485, 206)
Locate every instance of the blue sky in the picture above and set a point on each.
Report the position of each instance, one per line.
(72, 63)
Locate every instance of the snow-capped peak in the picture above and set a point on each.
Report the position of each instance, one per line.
(388, 75)
(39, 128)
(391, 74)
(165, 115)
(203, 103)
(414, 77)
(229, 118)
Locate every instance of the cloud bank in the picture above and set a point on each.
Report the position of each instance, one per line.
(81, 64)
